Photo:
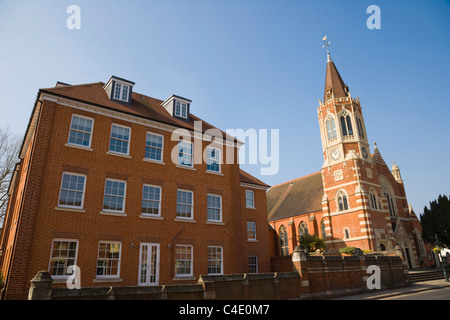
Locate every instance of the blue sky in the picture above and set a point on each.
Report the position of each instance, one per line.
(252, 64)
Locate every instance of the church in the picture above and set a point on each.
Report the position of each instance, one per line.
(355, 200)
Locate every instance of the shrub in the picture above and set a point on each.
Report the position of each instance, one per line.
(311, 242)
(348, 250)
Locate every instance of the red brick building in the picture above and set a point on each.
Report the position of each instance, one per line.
(112, 181)
(355, 200)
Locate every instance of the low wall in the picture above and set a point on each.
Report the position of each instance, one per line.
(314, 277)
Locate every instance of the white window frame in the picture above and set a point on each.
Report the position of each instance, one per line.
(83, 192)
(65, 276)
(192, 205)
(162, 146)
(179, 160)
(221, 260)
(129, 139)
(220, 208)
(218, 159)
(124, 196)
(119, 260)
(252, 229)
(253, 198)
(184, 275)
(159, 201)
(90, 133)
(120, 91)
(179, 106)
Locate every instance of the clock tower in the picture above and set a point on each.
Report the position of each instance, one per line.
(348, 172)
(341, 121)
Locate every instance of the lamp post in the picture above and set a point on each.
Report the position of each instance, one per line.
(442, 260)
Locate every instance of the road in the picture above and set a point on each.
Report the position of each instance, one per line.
(435, 294)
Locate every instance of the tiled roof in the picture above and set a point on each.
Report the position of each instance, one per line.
(248, 178)
(141, 105)
(295, 197)
(334, 81)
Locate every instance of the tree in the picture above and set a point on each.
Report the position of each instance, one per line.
(436, 221)
(311, 242)
(9, 151)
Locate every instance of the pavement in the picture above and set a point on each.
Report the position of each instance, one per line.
(415, 287)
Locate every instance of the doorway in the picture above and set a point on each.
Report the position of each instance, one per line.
(148, 264)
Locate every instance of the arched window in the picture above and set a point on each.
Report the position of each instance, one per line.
(373, 199)
(360, 127)
(302, 229)
(388, 192)
(346, 233)
(342, 200)
(284, 246)
(331, 128)
(346, 124)
(322, 228)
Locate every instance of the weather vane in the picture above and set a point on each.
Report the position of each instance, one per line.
(326, 43)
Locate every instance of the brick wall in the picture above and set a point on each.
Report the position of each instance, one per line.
(315, 277)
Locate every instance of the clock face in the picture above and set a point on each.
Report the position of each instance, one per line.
(364, 152)
(335, 154)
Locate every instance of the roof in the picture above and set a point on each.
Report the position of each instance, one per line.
(141, 105)
(334, 81)
(248, 178)
(295, 197)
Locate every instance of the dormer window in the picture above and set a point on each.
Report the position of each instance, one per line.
(119, 89)
(177, 107)
(181, 109)
(121, 92)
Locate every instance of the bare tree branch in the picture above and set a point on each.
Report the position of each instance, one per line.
(9, 152)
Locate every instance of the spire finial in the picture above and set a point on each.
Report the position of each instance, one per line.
(326, 44)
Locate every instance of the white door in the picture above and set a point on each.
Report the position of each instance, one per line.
(149, 264)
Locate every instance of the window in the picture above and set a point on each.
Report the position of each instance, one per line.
(120, 139)
(121, 92)
(302, 229)
(346, 124)
(331, 129)
(251, 230)
(284, 246)
(108, 262)
(72, 190)
(373, 199)
(213, 159)
(214, 207)
(183, 261)
(154, 146)
(181, 109)
(346, 233)
(184, 204)
(342, 201)
(63, 255)
(360, 127)
(185, 153)
(114, 198)
(252, 264)
(151, 200)
(80, 133)
(322, 229)
(215, 260)
(249, 199)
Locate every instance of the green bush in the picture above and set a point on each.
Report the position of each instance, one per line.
(348, 250)
(310, 242)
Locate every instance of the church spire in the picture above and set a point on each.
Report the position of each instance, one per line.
(334, 85)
